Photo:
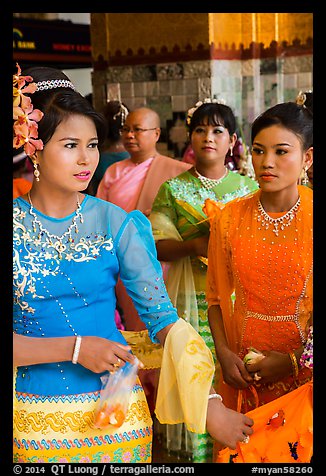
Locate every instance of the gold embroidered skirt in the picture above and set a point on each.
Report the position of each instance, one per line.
(60, 429)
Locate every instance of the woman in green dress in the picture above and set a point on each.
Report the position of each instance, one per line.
(181, 232)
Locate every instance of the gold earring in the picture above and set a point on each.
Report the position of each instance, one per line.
(231, 151)
(305, 178)
(36, 172)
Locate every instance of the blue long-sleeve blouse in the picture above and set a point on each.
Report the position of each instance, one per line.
(74, 294)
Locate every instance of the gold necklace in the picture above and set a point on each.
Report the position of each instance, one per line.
(52, 240)
(277, 223)
(208, 182)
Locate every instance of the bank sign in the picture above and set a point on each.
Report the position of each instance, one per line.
(54, 41)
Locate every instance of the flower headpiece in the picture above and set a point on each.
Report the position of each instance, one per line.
(191, 111)
(301, 98)
(25, 116)
(123, 112)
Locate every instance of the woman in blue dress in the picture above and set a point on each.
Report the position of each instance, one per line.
(69, 249)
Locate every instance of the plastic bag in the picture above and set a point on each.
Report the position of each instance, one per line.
(115, 395)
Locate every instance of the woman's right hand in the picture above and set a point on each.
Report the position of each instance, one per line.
(95, 353)
(99, 355)
(234, 370)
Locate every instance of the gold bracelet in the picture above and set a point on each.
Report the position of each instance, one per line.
(294, 362)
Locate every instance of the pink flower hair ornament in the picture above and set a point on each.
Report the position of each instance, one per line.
(25, 117)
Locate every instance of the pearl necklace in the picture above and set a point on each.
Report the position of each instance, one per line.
(277, 223)
(208, 182)
(55, 241)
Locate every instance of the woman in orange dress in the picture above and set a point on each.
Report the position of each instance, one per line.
(261, 247)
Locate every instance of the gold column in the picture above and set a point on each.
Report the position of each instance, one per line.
(139, 38)
(244, 28)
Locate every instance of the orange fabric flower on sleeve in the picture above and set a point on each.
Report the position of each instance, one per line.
(211, 208)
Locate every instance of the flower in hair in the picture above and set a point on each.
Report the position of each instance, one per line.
(19, 88)
(25, 116)
(123, 112)
(191, 111)
(23, 137)
(301, 98)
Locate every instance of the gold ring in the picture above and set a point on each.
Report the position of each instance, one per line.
(117, 364)
(245, 439)
(256, 376)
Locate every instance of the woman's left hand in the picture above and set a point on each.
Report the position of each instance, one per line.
(227, 426)
(274, 367)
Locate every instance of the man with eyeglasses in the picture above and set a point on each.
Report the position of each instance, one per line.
(132, 184)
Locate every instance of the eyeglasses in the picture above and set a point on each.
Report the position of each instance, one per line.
(136, 130)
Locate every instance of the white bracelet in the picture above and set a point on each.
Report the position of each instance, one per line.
(215, 395)
(75, 355)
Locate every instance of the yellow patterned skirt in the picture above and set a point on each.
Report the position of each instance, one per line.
(60, 429)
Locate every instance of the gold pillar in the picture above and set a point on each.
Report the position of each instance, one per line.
(140, 38)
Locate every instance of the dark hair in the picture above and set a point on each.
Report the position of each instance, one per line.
(297, 119)
(115, 117)
(58, 103)
(213, 114)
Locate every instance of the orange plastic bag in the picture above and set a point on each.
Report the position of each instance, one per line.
(283, 431)
(115, 395)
